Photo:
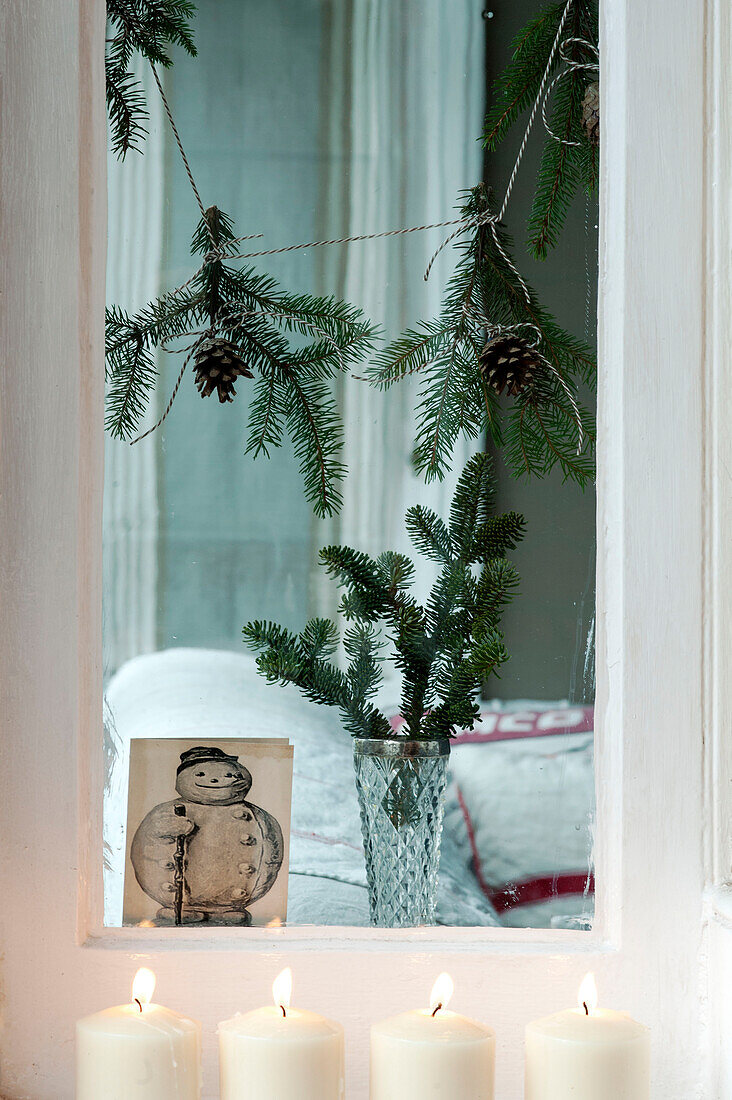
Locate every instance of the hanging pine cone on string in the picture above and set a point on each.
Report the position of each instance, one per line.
(217, 365)
(509, 362)
(591, 113)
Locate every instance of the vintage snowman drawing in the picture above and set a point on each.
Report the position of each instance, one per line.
(208, 854)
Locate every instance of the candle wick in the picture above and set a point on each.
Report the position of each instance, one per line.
(138, 1003)
(284, 1013)
(587, 1011)
(437, 1010)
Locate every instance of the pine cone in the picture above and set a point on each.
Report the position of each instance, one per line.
(591, 113)
(509, 362)
(217, 364)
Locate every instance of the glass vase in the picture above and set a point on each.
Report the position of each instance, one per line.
(401, 793)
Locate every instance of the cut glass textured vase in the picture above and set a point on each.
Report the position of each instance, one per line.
(401, 792)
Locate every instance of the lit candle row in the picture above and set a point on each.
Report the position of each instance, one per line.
(142, 1051)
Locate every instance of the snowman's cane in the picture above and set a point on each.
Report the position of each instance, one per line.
(179, 875)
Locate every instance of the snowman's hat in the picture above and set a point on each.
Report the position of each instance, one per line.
(203, 754)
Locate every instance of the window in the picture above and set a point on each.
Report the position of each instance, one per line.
(340, 120)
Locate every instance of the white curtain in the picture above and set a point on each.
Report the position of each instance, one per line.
(135, 236)
(405, 101)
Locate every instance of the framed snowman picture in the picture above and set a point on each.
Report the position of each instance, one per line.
(208, 824)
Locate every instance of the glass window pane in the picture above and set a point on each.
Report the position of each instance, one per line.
(307, 120)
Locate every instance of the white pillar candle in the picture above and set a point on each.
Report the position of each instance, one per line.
(432, 1054)
(138, 1051)
(281, 1053)
(588, 1053)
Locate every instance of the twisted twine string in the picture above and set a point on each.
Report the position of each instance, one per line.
(184, 158)
(349, 240)
(189, 173)
(530, 123)
(487, 219)
(571, 66)
(507, 259)
(191, 351)
(232, 320)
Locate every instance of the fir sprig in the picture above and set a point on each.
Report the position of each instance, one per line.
(545, 425)
(147, 28)
(290, 658)
(445, 650)
(293, 391)
(569, 160)
(516, 88)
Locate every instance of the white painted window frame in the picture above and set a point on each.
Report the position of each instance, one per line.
(664, 602)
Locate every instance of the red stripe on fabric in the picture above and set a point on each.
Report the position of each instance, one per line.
(527, 891)
(542, 888)
(527, 724)
(334, 841)
(520, 725)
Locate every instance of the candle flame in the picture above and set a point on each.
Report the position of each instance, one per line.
(143, 987)
(587, 996)
(282, 989)
(441, 993)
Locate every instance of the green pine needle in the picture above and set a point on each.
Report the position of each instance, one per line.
(518, 85)
(147, 28)
(571, 162)
(445, 650)
(539, 429)
(295, 344)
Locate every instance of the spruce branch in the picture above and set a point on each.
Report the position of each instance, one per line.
(445, 650)
(516, 88)
(147, 28)
(428, 533)
(545, 425)
(295, 345)
(569, 160)
(127, 112)
(289, 658)
(132, 377)
(559, 171)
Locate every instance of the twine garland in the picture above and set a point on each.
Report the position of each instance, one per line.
(571, 66)
(495, 218)
(219, 253)
(463, 224)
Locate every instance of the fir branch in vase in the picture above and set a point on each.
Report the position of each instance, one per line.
(444, 650)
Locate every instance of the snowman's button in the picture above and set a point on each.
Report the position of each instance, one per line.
(242, 814)
(169, 886)
(247, 839)
(246, 869)
(240, 893)
(167, 864)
